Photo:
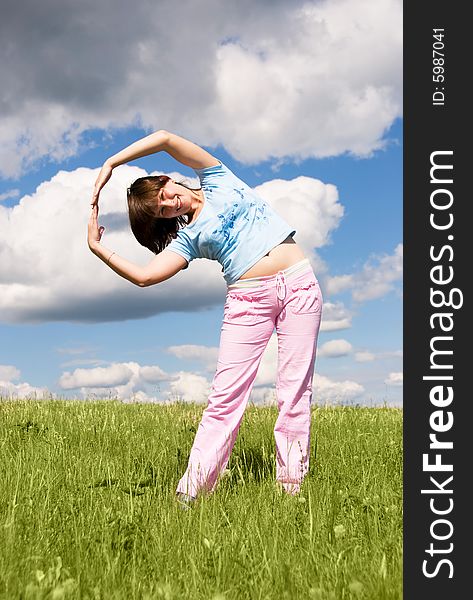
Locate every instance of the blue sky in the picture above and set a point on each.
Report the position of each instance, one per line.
(328, 157)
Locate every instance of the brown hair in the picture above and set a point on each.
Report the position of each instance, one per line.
(151, 231)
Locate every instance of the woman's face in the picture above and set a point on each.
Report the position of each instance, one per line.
(173, 200)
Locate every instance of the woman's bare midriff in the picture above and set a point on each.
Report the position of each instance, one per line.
(281, 257)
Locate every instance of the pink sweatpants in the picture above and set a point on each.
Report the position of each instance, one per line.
(291, 301)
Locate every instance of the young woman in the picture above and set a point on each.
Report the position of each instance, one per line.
(270, 284)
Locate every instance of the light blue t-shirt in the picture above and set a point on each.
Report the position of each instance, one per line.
(235, 226)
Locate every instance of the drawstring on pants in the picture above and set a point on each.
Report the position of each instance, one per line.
(281, 285)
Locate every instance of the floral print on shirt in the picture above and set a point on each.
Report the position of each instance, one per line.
(228, 219)
(227, 222)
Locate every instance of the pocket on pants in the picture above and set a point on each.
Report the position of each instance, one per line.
(307, 297)
(243, 309)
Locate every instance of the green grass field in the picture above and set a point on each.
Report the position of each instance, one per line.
(88, 511)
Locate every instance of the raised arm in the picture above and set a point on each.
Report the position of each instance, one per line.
(186, 152)
(161, 267)
(183, 150)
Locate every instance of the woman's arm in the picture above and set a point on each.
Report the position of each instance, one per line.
(183, 150)
(186, 152)
(162, 267)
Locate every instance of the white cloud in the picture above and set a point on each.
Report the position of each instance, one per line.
(367, 356)
(76, 350)
(189, 387)
(364, 356)
(113, 375)
(266, 80)
(8, 389)
(77, 362)
(9, 194)
(309, 204)
(153, 374)
(335, 392)
(339, 283)
(335, 349)
(263, 396)
(21, 390)
(204, 354)
(127, 381)
(47, 272)
(376, 279)
(335, 316)
(395, 379)
(9, 373)
(267, 371)
(133, 382)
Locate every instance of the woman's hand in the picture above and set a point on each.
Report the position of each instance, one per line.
(94, 231)
(104, 176)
